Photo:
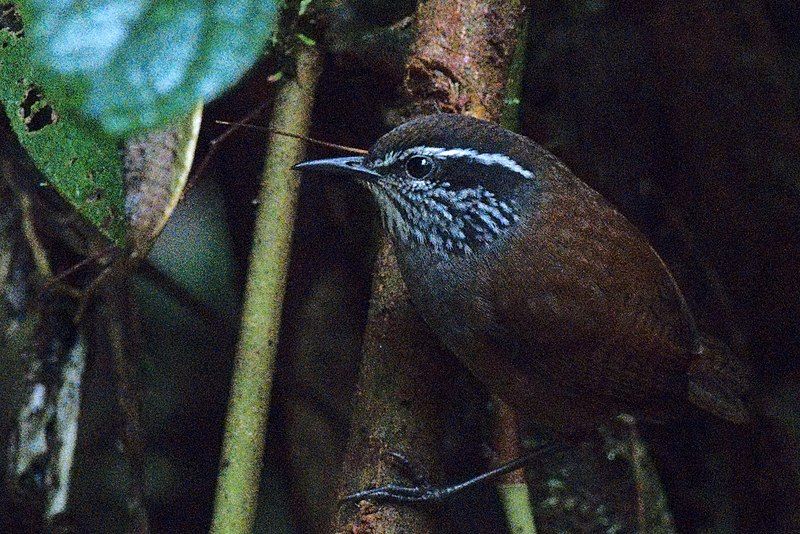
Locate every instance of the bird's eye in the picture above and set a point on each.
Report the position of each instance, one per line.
(418, 167)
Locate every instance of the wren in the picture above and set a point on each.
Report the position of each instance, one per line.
(549, 295)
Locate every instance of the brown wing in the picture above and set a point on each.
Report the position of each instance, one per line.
(600, 313)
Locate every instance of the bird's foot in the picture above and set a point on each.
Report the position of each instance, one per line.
(395, 493)
(420, 490)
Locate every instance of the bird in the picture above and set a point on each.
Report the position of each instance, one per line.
(537, 283)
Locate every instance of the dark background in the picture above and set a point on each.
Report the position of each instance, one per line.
(683, 114)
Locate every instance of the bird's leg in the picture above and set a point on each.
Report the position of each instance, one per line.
(423, 492)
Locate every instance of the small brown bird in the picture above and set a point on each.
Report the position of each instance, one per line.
(544, 290)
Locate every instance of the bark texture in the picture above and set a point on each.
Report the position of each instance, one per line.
(460, 59)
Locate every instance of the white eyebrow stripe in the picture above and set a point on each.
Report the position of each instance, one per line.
(441, 153)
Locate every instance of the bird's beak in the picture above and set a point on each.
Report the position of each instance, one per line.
(350, 166)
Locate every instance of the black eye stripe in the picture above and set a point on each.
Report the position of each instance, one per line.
(462, 174)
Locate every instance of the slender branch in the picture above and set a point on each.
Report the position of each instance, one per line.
(343, 148)
(652, 510)
(513, 488)
(214, 144)
(400, 406)
(245, 428)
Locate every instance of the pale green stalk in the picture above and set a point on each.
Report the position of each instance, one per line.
(246, 423)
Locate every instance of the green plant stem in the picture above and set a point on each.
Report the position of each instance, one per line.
(516, 501)
(240, 471)
(516, 72)
(512, 488)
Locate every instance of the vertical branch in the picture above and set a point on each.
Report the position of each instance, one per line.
(512, 487)
(399, 405)
(121, 342)
(648, 510)
(240, 471)
(458, 63)
(460, 59)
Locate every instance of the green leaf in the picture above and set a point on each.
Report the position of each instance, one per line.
(83, 166)
(136, 64)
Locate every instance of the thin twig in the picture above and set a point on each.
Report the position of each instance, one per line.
(246, 423)
(213, 145)
(345, 148)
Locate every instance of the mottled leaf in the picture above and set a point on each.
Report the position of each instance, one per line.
(157, 166)
(84, 166)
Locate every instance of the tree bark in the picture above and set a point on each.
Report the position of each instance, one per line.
(459, 63)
